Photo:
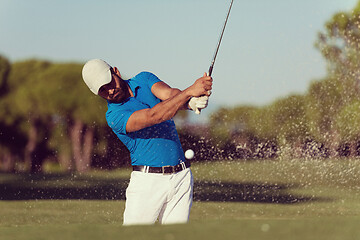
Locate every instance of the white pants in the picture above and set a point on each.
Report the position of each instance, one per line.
(152, 196)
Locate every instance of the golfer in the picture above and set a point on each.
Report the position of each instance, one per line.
(140, 112)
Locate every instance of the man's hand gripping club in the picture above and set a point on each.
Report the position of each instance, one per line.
(198, 103)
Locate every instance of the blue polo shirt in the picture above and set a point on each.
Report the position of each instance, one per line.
(154, 146)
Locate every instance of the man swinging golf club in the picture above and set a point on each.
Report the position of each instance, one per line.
(140, 112)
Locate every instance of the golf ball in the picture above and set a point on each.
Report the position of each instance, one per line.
(189, 154)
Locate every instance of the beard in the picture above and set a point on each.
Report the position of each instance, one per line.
(120, 94)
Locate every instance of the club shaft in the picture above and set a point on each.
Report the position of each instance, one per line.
(218, 44)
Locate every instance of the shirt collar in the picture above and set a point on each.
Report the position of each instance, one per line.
(134, 86)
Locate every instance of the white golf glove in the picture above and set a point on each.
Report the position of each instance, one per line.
(197, 103)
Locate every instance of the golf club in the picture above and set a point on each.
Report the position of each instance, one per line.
(217, 47)
(218, 44)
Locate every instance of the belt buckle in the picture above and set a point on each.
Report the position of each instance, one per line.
(165, 171)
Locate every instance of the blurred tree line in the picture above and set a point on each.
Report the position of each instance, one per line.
(47, 113)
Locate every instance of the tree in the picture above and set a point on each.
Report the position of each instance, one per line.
(348, 123)
(340, 45)
(261, 123)
(289, 123)
(11, 140)
(245, 131)
(19, 108)
(4, 74)
(75, 109)
(323, 102)
(227, 122)
(52, 105)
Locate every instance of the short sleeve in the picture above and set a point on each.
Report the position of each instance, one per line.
(151, 78)
(117, 120)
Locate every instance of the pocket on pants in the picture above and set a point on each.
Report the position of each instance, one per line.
(137, 180)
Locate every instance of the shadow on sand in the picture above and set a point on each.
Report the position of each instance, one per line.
(66, 186)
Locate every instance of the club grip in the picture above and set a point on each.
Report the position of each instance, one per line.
(210, 70)
(198, 111)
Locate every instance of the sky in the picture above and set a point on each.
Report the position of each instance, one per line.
(267, 51)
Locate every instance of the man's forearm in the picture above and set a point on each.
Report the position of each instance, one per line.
(161, 112)
(176, 91)
(167, 109)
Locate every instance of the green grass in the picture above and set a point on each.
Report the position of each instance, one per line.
(239, 229)
(293, 199)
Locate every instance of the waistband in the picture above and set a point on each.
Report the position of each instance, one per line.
(163, 170)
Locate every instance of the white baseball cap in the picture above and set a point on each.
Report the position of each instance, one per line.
(96, 73)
